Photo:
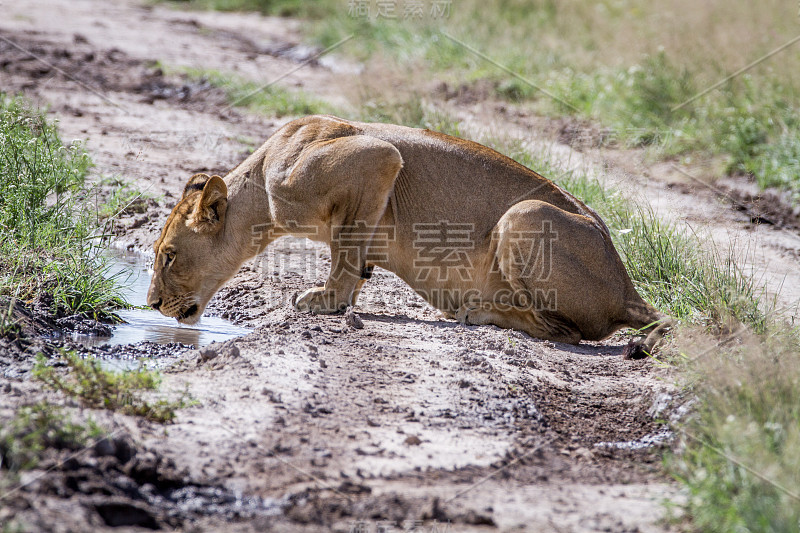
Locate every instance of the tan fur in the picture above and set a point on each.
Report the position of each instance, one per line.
(526, 254)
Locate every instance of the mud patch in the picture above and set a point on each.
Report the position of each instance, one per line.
(114, 483)
(768, 207)
(42, 317)
(103, 70)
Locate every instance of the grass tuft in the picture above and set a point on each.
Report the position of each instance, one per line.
(125, 199)
(105, 389)
(49, 243)
(410, 110)
(37, 428)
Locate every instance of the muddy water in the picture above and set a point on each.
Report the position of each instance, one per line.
(147, 325)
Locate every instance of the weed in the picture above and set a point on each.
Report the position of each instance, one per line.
(37, 428)
(49, 242)
(125, 199)
(9, 327)
(777, 164)
(14, 526)
(37, 177)
(410, 111)
(104, 389)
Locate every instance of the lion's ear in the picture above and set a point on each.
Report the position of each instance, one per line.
(195, 183)
(208, 215)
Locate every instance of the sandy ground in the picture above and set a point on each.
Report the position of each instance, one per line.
(309, 424)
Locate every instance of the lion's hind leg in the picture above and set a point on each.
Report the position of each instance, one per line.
(519, 293)
(541, 325)
(563, 268)
(556, 274)
(653, 324)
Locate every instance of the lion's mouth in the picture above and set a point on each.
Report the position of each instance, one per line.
(188, 313)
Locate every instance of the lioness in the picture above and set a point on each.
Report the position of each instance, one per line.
(479, 236)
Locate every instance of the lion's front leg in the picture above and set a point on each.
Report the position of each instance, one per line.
(348, 272)
(354, 177)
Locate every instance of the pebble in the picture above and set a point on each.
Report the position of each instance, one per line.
(352, 319)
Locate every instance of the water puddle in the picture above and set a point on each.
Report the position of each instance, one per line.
(149, 325)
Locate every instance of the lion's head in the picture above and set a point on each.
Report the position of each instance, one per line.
(191, 263)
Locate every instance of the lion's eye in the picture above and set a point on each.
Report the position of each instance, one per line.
(170, 256)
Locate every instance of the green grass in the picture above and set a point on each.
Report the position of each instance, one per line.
(270, 100)
(739, 455)
(104, 389)
(626, 65)
(49, 237)
(34, 429)
(408, 110)
(125, 199)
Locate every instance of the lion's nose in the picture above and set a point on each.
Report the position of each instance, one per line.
(156, 305)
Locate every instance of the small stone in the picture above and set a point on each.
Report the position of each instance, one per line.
(352, 319)
(208, 353)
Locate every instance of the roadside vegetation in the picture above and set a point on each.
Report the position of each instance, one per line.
(634, 67)
(35, 429)
(50, 239)
(739, 453)
(129, 392)
(124, 199)
(51, 252)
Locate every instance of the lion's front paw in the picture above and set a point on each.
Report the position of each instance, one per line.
(318, 301)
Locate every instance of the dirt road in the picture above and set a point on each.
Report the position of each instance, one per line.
(310, 424)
